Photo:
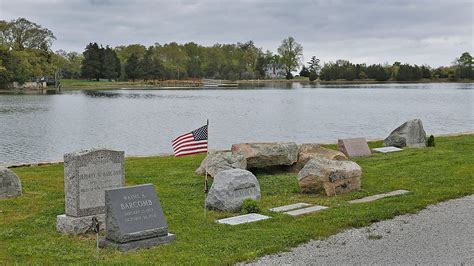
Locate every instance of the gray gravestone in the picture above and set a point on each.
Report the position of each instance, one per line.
(134, 219)
(355, 147)
(87, 174)
(10, 185)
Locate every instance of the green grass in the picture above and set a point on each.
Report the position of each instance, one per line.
(92, 84)
(27, 223)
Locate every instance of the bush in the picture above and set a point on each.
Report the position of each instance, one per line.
(430, 142)
(250, 206)
(289, 75)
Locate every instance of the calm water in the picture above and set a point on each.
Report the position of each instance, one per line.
(44, 127)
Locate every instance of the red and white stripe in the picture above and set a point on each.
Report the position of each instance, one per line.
(186, 145)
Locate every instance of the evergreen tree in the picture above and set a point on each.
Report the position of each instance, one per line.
(304, 72)
(132, 68)
(109, 64)
(92, 62)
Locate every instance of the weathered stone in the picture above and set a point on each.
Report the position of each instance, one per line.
(261, 155)
(218, 161)
(306, 210)
(78, 225)
(230, 188)
(10, 185)
(308, 151)
(355, 147)
(134, 219)
(386, 149)
(86, 176)
(335, 177)
(290, 207)
(409, 134)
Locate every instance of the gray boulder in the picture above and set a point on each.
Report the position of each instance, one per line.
(10, 185)
(335, 177)
(218, 161)
(261, 155)
(230, 188)
(409, 134)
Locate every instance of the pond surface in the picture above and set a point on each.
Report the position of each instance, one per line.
(43, 127)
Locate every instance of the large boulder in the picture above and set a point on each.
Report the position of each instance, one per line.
(410, 133)
(230, 188)
(261, 155)
(218, 161)
(335, 177)
(307, 151)
(10, 185)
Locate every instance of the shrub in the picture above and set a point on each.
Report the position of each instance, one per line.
(430, 142)
(250, 206)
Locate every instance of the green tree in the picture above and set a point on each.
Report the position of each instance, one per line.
(314, 68)
(109, 64)
(132, 68)
(464, 65)
(304, 72)
(92, 63)
(291, 54)
(21, 34)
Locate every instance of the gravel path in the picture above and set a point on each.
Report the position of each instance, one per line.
(440, 234)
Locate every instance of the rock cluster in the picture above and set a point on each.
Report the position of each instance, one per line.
(218, 161)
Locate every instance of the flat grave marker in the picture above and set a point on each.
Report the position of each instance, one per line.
(242, 219)
(380, 196)
(306, 210)
(386, 149)
(355, 147)
(134, 219)
(290, 207)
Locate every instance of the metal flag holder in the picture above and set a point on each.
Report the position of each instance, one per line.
(95, 226)
(206, 187)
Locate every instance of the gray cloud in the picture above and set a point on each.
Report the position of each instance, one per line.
(422, 32)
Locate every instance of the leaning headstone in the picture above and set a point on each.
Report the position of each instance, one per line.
(409, 134)
(230, 188)
(87, 174)
(218, 161)
(261, 155)
(134, 219)
(335, 177)
(10, 185)
(355, 147)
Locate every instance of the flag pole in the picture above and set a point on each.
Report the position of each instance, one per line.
(206, 190)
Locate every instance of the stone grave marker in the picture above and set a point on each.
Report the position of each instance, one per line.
(355, 147)
(87, 174)
(10, 185)
(386, 149)
(243, 219)
(134, 219)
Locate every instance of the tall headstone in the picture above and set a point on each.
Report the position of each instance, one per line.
(10, 185)
(355, 147)
(134, 219)
(87, 174)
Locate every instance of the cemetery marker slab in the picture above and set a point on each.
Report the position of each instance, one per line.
(306, 210)
(355, 147)
(134, 219)
(380, 196)
(10, 184)
(386, 149)
(290, 207)
(242, 219)
(87, 174)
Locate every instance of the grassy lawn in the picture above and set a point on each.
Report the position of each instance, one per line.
(27, 223)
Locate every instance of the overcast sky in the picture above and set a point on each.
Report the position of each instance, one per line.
(378, 31)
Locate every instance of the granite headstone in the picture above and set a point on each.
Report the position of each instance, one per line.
(87, 174)
(10, 185)
(134, 219)
(355, 147)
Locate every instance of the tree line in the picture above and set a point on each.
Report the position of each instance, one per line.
(25, 53)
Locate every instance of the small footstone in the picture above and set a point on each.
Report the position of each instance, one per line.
(306, 210)
(386, 149)
(380, 196)
(242, 219)
(290, 207)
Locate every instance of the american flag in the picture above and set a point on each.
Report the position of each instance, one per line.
(191, 143)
